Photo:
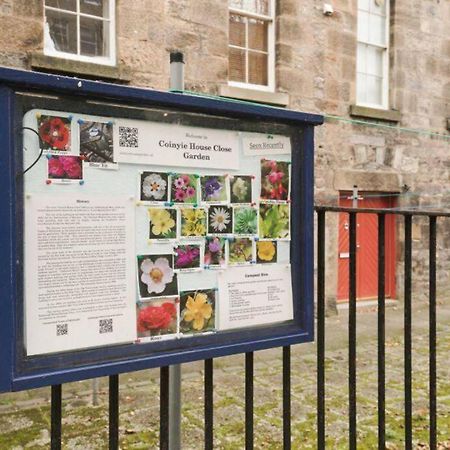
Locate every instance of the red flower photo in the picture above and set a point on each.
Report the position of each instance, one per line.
(274, 180)
(157, 318)
(54, 133)
(65, 168)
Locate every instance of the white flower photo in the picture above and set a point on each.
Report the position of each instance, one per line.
(220, 220)
(156, 276)
(154, 187)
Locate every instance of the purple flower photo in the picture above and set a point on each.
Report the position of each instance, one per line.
(215, 251)
(214, 188)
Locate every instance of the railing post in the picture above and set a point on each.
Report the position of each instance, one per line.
(209, 404)
(287, 398)
(407, 335)
(249, 401)
(381, 334)
(352, 335)
(432, 334)
(321, 329)
(113, 412)
(56, 414)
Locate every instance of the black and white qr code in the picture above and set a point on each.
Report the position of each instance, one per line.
(105, 326)
(62, 329)
(128, 137)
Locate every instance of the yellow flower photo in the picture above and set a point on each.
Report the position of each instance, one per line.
(193, 222)
(197, 311)
(163, 223)
(266, 252)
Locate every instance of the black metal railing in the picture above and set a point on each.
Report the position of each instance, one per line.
(322, 212)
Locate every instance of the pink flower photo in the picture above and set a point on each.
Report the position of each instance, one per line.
(184, 188)
(65, 167)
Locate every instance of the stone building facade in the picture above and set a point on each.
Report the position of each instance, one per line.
(315, 70)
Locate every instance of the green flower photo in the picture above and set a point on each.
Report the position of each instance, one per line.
(241, 251)
(245, 220)
(274, 221)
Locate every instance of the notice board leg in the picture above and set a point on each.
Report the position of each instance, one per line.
(56, 410)
(175, 407)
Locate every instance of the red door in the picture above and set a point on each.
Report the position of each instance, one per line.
(367, 248)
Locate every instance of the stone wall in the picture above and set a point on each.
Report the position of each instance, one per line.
(316, 66)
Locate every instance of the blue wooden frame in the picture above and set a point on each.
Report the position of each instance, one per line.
(302, 330)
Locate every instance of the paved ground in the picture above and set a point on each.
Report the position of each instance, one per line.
(25, 419)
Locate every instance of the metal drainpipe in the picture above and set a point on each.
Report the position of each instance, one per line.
(176, 83)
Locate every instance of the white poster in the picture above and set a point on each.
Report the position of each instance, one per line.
(79, 272)
(162, 144)
(259, 144)
(254, 295)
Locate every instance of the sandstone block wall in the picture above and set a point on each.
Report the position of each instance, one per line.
(315, 65)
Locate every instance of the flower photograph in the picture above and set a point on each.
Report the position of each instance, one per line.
(157, 318)
(184, 188)
(241, 189)
(197, 311)
(266, 252)
(96, 142)
(240, 251)
(274, 180)
(193, 222)
(214, 188)
(163, 223)
(65, 167)
(54, 133)
(220, 220)
(274, 221)
(187, 256)
(156, 277)
(245, 220)
(215, 251)
(154, 187)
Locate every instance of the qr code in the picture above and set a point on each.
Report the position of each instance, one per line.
(105, 326)
(128, 137)
(62, 329)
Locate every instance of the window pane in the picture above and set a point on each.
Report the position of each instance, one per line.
(377, 30)
(378, 6)
(254, 6)
(364, 4)
(69, 5)
(62, 31)
(361, 81)
(94, 7)
(374, 61)
(236, 65)
(257, 68)
(257, 34)
(93, 37)
(373, 92)
(361, 58)
(363, 26)
(237, 30)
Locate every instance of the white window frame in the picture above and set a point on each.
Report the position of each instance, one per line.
(270, 19)
(385, 61)
(105, 60)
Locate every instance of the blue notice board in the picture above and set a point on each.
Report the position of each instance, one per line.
(143, 229)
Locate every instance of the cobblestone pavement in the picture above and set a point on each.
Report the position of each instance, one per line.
(25, 416)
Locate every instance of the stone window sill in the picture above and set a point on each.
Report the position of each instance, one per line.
(253, 95)
(389, 115)
(52, 64)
